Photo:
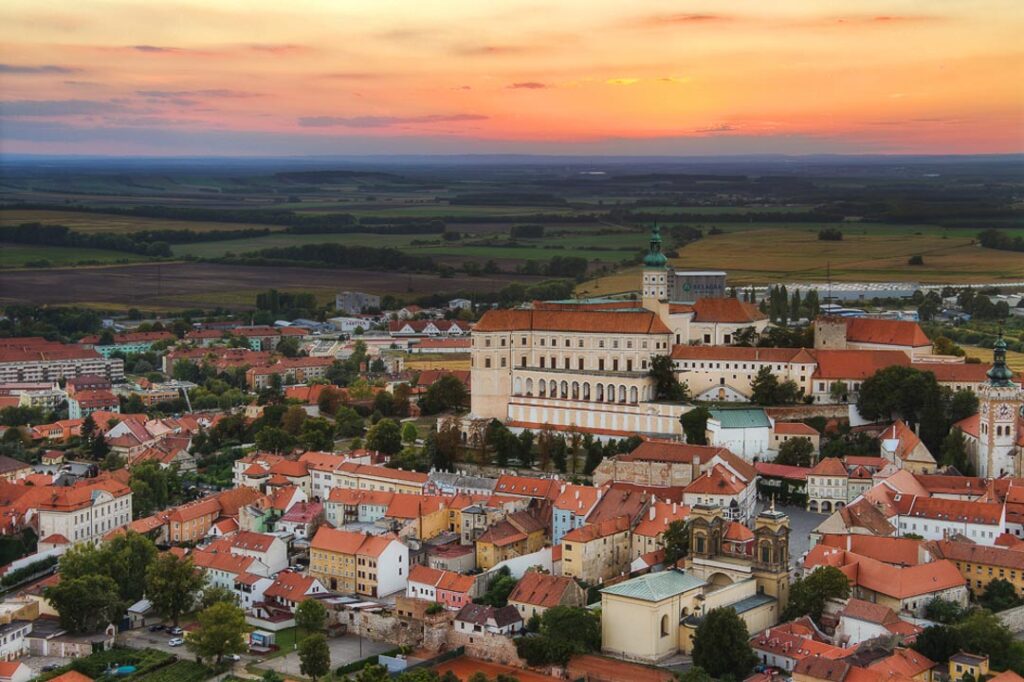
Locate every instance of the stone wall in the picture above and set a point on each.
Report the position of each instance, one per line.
(487, 647)
(645, 473)
(1013, 618)
(798, 412)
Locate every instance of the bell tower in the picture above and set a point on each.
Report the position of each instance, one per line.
(655, 273)
(771, 554)
(707, 523)
(1001, 410)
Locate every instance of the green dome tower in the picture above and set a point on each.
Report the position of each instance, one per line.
(655, 275)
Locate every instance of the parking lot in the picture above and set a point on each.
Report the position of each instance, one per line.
(344, 650)
(801, 523)
(38, 663)
(142, 638)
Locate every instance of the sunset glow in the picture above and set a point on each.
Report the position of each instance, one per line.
(251, 77)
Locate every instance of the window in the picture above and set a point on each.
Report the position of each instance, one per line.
(487, 362)
(664, 626)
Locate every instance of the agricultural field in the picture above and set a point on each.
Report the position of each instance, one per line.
(112, 223)
(21, 255)
(1014, 360)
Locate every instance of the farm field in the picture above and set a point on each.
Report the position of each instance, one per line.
(18, 255)
(1014, 360)
(186, 285)
(791, 255)
(104, 222)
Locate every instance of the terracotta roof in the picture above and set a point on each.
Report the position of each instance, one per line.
(411, 506)
(595, 531)
(726, 310)
(527, 486)
(501, 534)
(55, 539)
(737, 532)
(221, 561)
(290, 586)
(905, 662)
(658, 516)
(383, 472)
(717, 481)
(562, 321)
(886, 332)
(773, 470)
(829, 466)
(794, 429)
(978, 554)
(442, 580)
(950, 510)
(822, 668)
(869, 612)
(480, 614)
(540, 589)
(290, 468)
(901, 551)
(898, 582)
(348, 542)
(856, 364)
(71, 676)
(208, 506)
(971, 426)
(958, 372)
(250, 541)
(579, 499)
(653, 450)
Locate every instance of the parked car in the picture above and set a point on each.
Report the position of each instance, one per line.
(156, 628)
(49, 667)
(175, 641)
(175, 630)
(233, 657)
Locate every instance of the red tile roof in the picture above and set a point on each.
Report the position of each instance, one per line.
(717, 481)
(950, 510)
(743, 354)
(829, 466)
(593, 321)
(795, 429)
(726, 310)
(348, 542)
(595, 531)
(540, 589)
(978, 554)
(885, 332)
(773, 470)
(856, 364)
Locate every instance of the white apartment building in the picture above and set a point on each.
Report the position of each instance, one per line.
(85, 513)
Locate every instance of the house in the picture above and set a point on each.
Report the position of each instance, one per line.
(188, 523)
(13, 470)
(357, 563)
(301, 519)
(980, 564)
(903, 447)
(519, 534)
(34, 359)
(15, 671)
(128, 343)
(648, 533)
(964, 665)
(285, 593)
(597, 552)
(84, 403)
(860, 621)
(783, 432)
(527, 486)
(478, 619)
(938, 519)
(571, 508)
(725, 487)
(86, 511)
(372, 477)
(14, 639)
(448, 588)
(866, 333)
(270, 550)
(786, 645)
(537, 592)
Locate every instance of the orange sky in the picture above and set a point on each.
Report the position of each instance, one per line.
(454, 76)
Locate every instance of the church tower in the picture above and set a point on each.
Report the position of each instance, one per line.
(655, 274)
(771, 554)
(1001, 411)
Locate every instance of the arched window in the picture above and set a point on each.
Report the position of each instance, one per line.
(517, 386)
(542, 388)
(632, 394)
(529, 387)
(766, 552)
(622, 394)
(575, 390)
(600, 393)
(565, 389)
(664, 626)
(700, 543)
(586, 391)
(610, 393)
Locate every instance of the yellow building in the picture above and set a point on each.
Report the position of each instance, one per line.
(370, 477)
(519, 534)
(640, 618)
(597, 552)
(371, 565)
(980, 565)
(963, 664)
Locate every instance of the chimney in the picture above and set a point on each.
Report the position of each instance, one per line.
(673, 508)
(652, 513)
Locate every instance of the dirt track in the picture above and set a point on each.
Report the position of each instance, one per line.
(181, 285)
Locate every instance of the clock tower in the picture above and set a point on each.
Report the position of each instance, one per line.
(1001, 407)
(654, 295)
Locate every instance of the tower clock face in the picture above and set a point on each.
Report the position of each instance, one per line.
(1004, 411)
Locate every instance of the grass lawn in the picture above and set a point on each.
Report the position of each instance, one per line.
(1014, 360)
(17, 255)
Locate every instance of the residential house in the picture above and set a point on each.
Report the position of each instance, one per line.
(86, 511)
(648, 534)
(902, 447)
(980, 564)
(571, 508)
(938, 519)
(598, 551)
(519, 534)
(537, 592)
(860, 621)
(301, 520)
(84, 403)
(189, 523)
(477, 619)
(448, 588)
(374, 566)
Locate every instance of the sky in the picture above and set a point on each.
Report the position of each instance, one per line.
(689, 77)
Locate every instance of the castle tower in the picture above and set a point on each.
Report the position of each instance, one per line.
(771, 554)
(655, 273)
(1001, 410)
(707, 523)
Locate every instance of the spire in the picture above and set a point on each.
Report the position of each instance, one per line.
(1000, 374)
(655, 258)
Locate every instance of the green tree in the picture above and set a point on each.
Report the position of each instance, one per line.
(273, 439)
(173, 585)
(314, 656)
(293, 419)
(943, 611)
(796, 452)
(221, 631)
(982, 632)
(666, 385)
(676, 538)
(838, 391)
(372, 673)
(384, 436)
(86, 603)
(808, 594)
(721, 645)
(695, 423)
(954, 452)
(695, 674)
(215, 594)
(349, 423)
(311, 616)
(409, 433)
(446, 393)
(500, 587)
(317, 434)
(938, 642)
(896, 390)
(999, 595)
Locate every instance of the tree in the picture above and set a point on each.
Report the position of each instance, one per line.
(767, 390)
(86, 603)
(999, 595)
(576, 630)
(446, 393)
(721, 645)
(314, 656)
(695, 673)
(349, 423)
(124, 559)
(796, 452)
(808, 595)
(666, 385)
(838, 391)
(372, 673)
(317, 434)
(676, 538)
(695, 423)
(221, 631)
(151, 488)
(273, 439)
(172, 585)
(954, 452)
(982, 632)
(943, 611)
(499, 588)
(896, 390)
(310, 615)
(215, 594)
(288, 347)
(409, 433)
(292, 420)
(384, 436)
(962, 405)
(938, 642)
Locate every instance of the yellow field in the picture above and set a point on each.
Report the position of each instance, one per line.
(1014, 360)
(769, 255)
(437, 361)
(102, 222)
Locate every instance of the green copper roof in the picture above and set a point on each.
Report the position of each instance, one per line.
(655, 258)
(740, 419)
(656, 586)
(1000, 374)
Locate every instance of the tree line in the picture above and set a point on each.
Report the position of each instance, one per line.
(998, 239)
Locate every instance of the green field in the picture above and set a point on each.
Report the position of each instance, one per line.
(102, 222)
(17, 255)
